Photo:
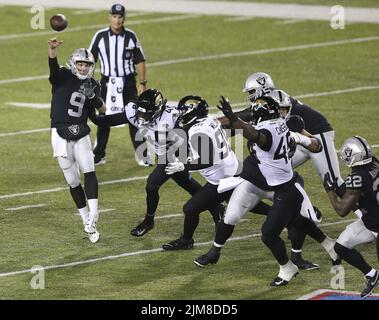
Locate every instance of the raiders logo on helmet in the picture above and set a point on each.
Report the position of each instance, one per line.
(261, 81)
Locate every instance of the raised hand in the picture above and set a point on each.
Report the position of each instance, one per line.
(226, 108)
(54, 43)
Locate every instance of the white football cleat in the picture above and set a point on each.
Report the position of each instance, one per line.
(90, 229)
(94, 237)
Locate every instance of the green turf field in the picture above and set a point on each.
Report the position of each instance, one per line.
(347, 3)
(50, 234)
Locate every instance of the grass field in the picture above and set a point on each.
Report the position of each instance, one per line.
(50, 234)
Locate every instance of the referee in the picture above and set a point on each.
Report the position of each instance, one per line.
(121, 58)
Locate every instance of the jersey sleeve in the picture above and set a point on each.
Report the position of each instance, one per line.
(245, 114)
(138, 55)
(94, 46)
(55, 71)
(202, 149)
(268, 135)
(355, 181)
(130, 112)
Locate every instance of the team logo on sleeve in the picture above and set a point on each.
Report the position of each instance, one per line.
(74, 129)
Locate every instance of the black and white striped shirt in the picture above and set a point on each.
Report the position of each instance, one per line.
(118, 53)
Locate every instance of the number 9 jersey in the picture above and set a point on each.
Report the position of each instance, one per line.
(69, 105)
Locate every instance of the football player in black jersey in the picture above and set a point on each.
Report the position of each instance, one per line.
(362, 190)
(75, 95)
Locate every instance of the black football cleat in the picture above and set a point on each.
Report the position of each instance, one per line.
(303, 264)
(178, 244)
(143, 228)
(372, 282)
(211, 257)
(278, 282)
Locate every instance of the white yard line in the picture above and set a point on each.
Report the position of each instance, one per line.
(265, 51)
(26, 207)
(239, 104)
(7, 134)
(227, 55)
(226, 8)
(90, 27)
(136, 253)
(30, 193)
(170, 216)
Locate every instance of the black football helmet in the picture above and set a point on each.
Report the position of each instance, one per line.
(191, 108)
(264, 108)
(150, 105)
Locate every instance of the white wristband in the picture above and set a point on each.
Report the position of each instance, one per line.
(301, 139)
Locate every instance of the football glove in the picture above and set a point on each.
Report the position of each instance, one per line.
(329, 183)
(174, 167)
(88, 89)
(226, 108)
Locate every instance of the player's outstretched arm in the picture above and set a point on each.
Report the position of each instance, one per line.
(249, 131)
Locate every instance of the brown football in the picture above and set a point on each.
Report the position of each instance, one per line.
(58, 22)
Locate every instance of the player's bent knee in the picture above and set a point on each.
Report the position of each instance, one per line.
(190, 209)
(152, 188)
(72, 176)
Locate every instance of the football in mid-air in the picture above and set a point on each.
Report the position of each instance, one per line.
(58, 22)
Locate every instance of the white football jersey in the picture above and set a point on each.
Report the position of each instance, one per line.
(159, 133)
(275, 163)
(225, 162)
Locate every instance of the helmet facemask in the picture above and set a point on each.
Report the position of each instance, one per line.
(150, 106)
(82, 55)
(264, 108)
(191, 109)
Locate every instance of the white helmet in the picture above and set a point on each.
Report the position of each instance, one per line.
(258, 81)
(356, 151)
(82, 55)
